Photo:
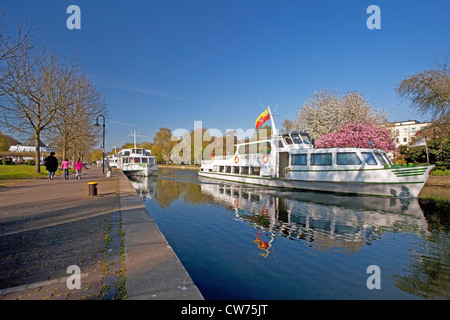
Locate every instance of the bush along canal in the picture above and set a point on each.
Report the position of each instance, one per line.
(245, 242)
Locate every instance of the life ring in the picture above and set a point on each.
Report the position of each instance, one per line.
(265, 212)
(236, 203)
(236, 159)
(265, 158)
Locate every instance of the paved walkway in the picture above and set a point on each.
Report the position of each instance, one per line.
(48, 228)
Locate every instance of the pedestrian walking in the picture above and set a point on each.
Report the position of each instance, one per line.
(51, 164)
(78, 167)
(65, 167)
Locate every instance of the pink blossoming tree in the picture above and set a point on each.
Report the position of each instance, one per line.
(358, 135)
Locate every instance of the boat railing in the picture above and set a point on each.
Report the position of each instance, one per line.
(250, 156)
(227, 157)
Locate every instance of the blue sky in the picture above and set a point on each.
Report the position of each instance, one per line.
(170, 63)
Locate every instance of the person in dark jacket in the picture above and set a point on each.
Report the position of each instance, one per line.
(51, 163)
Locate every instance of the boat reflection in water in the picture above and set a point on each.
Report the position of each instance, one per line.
(145, 186)
(322, 219)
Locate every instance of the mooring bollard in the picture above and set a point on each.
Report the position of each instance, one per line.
(92, 188)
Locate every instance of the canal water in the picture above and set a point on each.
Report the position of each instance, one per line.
(248, 242)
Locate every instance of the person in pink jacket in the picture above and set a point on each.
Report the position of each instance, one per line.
(65, 167)
(78, 166)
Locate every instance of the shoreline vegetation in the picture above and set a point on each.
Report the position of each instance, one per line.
(437, 186)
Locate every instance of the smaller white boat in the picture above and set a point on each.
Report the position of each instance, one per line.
(137, 161)
(113, 160)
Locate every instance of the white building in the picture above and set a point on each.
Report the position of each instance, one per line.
(29, 146)
(404, 131)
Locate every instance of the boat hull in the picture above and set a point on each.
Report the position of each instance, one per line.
(407, 188)
(139, 170)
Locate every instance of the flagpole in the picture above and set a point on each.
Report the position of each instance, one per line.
(274, 129)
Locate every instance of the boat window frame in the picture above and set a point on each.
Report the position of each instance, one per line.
(306, 138)
(387, 158)
(284, 136)
(296, 136)
(372, 158)
(380, 158)
(299, 154)
(348, 153)
(330, 163)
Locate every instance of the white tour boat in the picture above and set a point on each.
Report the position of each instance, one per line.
(291, 161)
(113, 160)
(137, 161)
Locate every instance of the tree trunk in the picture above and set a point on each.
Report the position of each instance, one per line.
(38, 153)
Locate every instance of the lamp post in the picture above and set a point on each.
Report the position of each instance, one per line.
(103, 145)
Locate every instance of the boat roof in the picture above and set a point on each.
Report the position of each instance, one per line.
(347, 149)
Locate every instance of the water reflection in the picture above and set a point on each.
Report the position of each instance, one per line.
(416, 242)
(145, 186)
(323, 220)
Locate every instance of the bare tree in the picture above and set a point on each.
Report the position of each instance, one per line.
(12, 49)
(429, 92)
(35, 94)
(326, 112)
(76, 114)
(287, 126)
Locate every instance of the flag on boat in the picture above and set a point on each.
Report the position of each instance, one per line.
(422, 142)
(262, 118)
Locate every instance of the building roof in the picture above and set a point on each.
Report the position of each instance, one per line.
(31, 143)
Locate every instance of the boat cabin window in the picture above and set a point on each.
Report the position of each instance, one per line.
(380, 158)
(295, 138)
(369, 158)
(299, 159)
(348, 158)
(321, 159)
(126, 153)
(144, 160)
(287, 139)
(385, 156)
(306, 138)
(254, 171)
(138, 151)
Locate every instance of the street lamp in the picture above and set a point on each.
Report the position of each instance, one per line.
(103, 146)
